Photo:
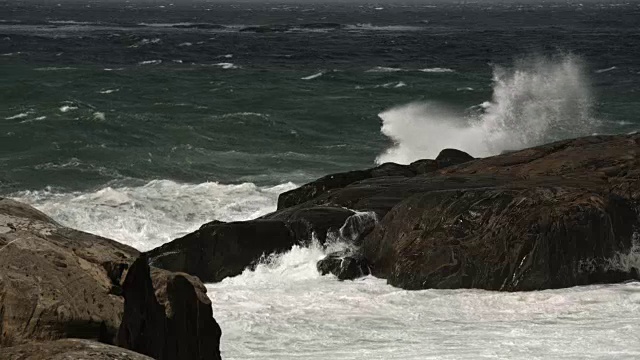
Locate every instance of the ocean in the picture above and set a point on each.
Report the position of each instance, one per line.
(142, 120)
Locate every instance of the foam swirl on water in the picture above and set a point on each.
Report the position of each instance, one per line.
(539, 100)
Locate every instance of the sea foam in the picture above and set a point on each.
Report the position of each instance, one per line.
(147, 216)
(538, 100)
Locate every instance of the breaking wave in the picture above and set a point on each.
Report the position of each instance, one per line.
(538, 100)
(147, 216)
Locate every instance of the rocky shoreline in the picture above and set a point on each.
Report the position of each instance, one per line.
(557, 215)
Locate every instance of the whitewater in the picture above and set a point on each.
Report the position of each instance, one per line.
(538, 100)
(284, 309)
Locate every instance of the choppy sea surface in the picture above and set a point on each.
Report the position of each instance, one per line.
(140, 121)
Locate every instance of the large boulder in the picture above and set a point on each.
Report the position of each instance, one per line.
(220, 250)
(56, 282)
(68, 349)
(169, 317)
(504, 239)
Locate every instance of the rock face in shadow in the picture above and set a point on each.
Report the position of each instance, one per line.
(169, 317)
(219, 250)
(223, 249)
(504, 239)
(68, 349)
(56, 282)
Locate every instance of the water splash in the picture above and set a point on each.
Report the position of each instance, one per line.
(627, 261)
(538, 100)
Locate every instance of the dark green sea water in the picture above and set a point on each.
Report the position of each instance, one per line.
(96, 94)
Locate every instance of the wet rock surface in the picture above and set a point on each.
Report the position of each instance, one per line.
(573, 204)
(215, 252)
(344, 265)
(504, 239)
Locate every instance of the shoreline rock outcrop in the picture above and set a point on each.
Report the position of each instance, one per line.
(57, 284)
(550, 216)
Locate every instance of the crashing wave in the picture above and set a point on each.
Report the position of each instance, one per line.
(538, 100)
(147, 216)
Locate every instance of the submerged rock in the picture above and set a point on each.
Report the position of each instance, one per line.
(169, 317)
(68, 349)
(56, 282)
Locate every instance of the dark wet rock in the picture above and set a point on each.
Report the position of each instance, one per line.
(68, 349)
(56, 282)
(503, 239)
(357, 226)
(391, 169)
(169, 317)
(220, 250)
(327, 184)
(319, 187)
(606, 163)
(318, 221)
(424, 166)
(344, 265)
(340, 180)
(211, 223)
(575, 205)
(604, 167)
(449, 157)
